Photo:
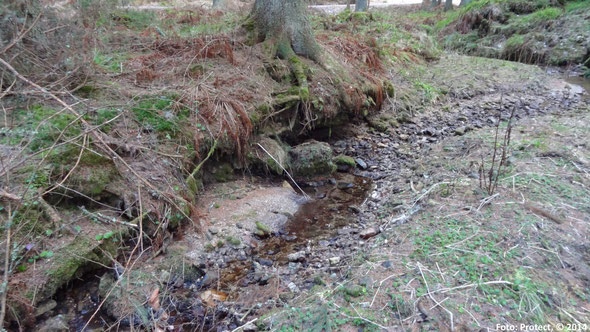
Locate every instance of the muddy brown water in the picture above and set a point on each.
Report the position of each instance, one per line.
(579, 81)
(332, 207)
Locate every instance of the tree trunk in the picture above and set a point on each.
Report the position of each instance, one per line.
(448, 5)
(286, 22)
(464, 3)
(219, 4)
(361, 5)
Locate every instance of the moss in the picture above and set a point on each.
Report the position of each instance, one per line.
(344, 160)
(92, 180)
(262, 227)
(81, 256)
(42, 126)
(223, 172)
(312, 159)
(29, 220)
(354, 291)
(388, 88)
(158, 114)
(379, 125)
(233, 241)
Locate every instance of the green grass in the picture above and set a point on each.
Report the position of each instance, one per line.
(132, 19)
(225, 24)
(110, 62)
(540, 16)
(514, 41)
(579, 5)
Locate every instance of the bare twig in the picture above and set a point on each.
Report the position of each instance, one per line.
(284, 170)
(433, 299)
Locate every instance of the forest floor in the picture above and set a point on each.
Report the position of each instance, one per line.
(412, 232)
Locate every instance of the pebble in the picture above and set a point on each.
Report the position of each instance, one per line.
(460, 131)
(296, 256)
(293, 288)
(387, 264)
(362, 164)
(334, 260)
(368, 233)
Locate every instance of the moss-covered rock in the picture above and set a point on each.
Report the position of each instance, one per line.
(222, 172)
(261, 159)
(311, 159)
(344, 160)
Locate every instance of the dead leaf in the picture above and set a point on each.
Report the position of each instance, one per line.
(210, 296)
(154, 300)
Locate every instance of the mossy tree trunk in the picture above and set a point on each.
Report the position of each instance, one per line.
(448, 5)
(286, 22)
(284, 29)
(361, 5)
(285, 26)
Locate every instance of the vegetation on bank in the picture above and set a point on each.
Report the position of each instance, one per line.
(539, 32)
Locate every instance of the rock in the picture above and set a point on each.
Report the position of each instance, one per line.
(368, 233)
(263, 160)
(362, 164)
(55, 324)
(366, 281)
(250, 327)
(460, 131)
(344, 163)
(344, 185)
(387, 264)
(293, 288)
(334, 260)
(213, 230)
(311, 159)
(45, 307)
(265, 262)
(354, 208)
(296, 256)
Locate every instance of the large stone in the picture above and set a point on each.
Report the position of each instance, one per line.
(311, 159)
(58, 323)
(368, 233)
(270, 155)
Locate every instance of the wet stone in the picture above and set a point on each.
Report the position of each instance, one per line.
(361, 163)
(296, 256)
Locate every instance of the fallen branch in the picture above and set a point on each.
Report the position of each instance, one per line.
(433, 299)
(543, 213)
(8, 195)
